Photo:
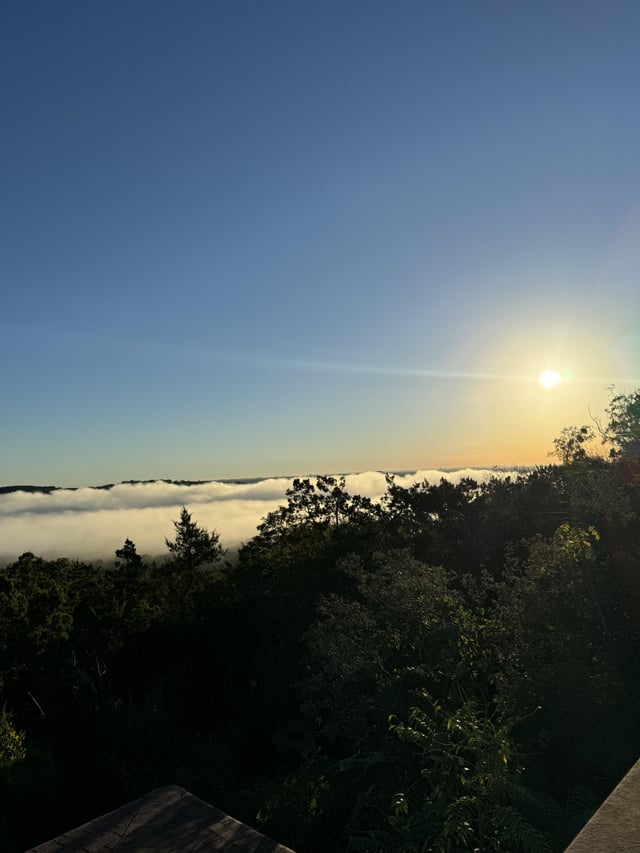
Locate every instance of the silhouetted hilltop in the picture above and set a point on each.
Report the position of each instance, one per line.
(45, 490)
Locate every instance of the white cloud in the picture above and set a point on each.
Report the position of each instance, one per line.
(92, 523)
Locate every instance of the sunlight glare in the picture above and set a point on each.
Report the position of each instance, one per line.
(549, 378)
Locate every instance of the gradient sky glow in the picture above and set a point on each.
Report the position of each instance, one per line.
(251, 238)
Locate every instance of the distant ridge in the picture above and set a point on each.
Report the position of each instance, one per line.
(45, 490)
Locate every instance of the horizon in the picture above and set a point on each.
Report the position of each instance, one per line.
(183, 481)
(240, 237)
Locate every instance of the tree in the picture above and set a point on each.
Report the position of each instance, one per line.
(623, 428)
(12, 747)
(367, 650)
(194, 553)
(193, 546)
(128, 561)
(134, 599)
(37, 602)
(314, 512)
(570, 444)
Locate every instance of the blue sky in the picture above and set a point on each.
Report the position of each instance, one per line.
(251, 238)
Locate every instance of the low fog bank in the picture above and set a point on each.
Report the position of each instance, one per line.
(90, 523)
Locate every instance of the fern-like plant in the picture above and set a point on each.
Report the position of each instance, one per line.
(464, 791)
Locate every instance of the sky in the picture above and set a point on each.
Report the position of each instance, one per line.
(269, 238)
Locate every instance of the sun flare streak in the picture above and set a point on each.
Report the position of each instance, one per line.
(547, 379)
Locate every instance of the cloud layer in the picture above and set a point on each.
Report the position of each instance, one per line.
(91, 523)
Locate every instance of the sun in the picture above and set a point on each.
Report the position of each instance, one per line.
(549, 378)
